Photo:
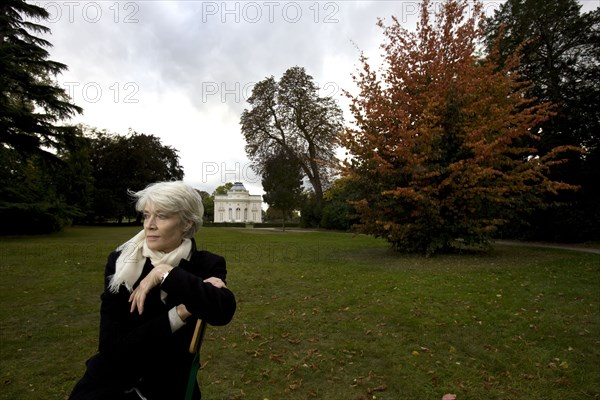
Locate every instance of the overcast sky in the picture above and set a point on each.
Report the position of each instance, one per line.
(182, 70)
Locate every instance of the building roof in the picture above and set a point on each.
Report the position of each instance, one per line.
(238, 187)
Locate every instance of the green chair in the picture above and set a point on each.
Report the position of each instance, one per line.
(195, 346)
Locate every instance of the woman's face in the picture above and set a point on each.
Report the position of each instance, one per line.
(164, 230)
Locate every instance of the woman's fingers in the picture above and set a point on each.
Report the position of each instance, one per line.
(137, 299)
(138, 296)
(216, 282)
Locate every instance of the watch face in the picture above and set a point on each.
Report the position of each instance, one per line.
(163, 277)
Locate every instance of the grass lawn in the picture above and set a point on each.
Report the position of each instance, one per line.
(326, 315)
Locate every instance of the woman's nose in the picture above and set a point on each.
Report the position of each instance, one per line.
(150, 222)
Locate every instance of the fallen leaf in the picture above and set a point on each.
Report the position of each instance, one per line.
(381, 388)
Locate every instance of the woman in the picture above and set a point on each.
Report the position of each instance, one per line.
(157, 285)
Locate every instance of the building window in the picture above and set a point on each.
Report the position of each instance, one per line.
(237, 214)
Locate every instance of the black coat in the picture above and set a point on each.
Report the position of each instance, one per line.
(140, 350)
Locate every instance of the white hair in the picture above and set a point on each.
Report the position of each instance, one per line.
(176, 197)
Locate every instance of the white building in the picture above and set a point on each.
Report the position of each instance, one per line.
(238, 205)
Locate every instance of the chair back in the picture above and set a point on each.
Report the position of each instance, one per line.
(195, 346)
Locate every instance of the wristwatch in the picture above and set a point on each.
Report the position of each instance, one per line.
(164, 276)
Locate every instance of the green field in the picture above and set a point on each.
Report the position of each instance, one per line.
(324, 315)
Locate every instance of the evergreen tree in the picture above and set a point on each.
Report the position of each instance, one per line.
(31, 104)
(559, 49)
(282, 183)
(34, 193)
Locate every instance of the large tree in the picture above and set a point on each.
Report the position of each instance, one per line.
(41, 194)
(282, 183)
(559, 49)
(37, 151)
(130, 162)
(32, 105)
(289, 115)
(440, 151)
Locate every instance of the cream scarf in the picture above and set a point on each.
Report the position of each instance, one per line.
(133, 256)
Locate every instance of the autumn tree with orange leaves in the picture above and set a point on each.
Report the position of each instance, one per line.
(438, 150)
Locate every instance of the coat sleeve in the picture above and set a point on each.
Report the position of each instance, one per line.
(214, 305)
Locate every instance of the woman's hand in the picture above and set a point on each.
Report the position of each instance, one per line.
(183, 312)
(216, 282)
(138, 296)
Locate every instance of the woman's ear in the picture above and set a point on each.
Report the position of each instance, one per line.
(187, 226)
